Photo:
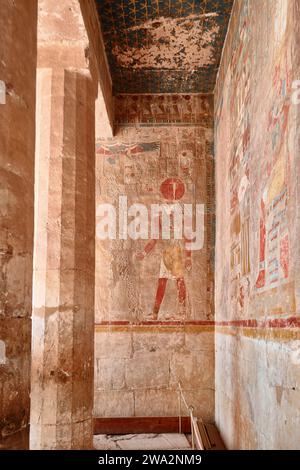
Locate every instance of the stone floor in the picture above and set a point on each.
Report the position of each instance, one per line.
(141, 442)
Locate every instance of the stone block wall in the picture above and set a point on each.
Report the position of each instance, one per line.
(257, 232)
(139, 358)
(18, 55)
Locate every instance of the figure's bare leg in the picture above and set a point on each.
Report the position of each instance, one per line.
(181, 289)
(160, 293)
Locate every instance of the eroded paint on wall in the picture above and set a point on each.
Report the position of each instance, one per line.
(164, 46)
(257, 252)
(154, 299)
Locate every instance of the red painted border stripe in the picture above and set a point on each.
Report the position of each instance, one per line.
(289, 322)
(157, 322)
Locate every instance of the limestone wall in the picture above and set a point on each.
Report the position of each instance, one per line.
(138, 359)
(257, 233)
(18, 21)
(64, 238)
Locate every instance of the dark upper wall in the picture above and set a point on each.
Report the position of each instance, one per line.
(164, 46)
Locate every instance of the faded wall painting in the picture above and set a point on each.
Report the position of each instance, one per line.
(259, 171)
(257, 254)
(154, 295)
(239, 170)
(154, 165)
(274, 231)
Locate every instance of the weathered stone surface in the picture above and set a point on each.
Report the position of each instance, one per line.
(16, 441)
(156, 402)
(120, 403)
(166, 403)
(266, 392)
(141, 442)
(105, 101)
(257, 234)
(192, 370)
(158, 341)
(200, 341)
(153, 442)
(203, 402)
(17, 124)
(147, 370)
(14, 374)
(113, 345)
(109, 375)
(104, 442)
(63, 300)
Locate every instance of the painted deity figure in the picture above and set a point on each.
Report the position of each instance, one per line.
(273, 233)
(175, 258)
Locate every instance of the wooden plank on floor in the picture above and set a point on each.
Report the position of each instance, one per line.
(141, 425)
(214, 437)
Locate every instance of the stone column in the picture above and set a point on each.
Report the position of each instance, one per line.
(63, 297)
(18, 25)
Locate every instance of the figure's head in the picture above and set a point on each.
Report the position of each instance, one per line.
(172, 189)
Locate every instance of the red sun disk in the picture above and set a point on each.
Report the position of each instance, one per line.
(172, 189)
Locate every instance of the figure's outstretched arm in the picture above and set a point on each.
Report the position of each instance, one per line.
(150, 245)
(147, 249)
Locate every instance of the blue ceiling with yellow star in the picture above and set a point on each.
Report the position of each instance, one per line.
(164, 46)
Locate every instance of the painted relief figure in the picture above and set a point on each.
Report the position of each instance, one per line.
(274, 237)
(175, 259)
(240, 176)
